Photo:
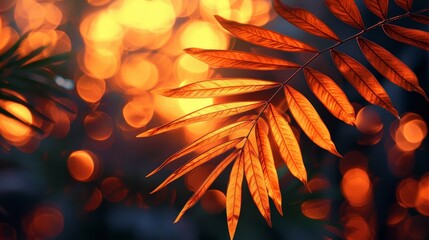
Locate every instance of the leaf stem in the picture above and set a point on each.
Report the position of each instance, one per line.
(381, 23)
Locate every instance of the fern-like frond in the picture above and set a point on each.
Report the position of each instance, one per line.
(253, 157)
(25, 75)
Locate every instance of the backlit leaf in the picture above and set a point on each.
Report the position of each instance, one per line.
(331, 95)
(378, 7)
(264, 37)
(304, 20)
(286, 143)
(233, 195)
(256, 182)
(420, 18)
(417, 38)
(268, 167)
(204, 114)
(203, 141)
(309, 120)
(346, 11)
(199, 160)
(218, 88)
(237, 59)
(405, 4)
(390, 66)
(207, 183)
(363, 81)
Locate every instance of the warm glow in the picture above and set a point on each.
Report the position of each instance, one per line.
(356, 187)
(81, 165)
(422, 200)
(46, 223)
(94, 200)
(213, 201)
(113, 189)
(98, 125)
(406, 192)
(316, 209)
(368, 121)
(356, 228)
(138, 112)
(101, 27)
(410, 132)
(101, 63)
(202, 34)
(196, 177)
(156, 16)
(138, 73)
(90, 89)
(12, 130)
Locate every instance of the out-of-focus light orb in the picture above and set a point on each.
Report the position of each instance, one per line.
(213, 201)
(12, 130)
(9, 37)
(31, 15)
(415, 131)
(113, 189)
(357, 228)
(101, 63)
(94, 200)
(406, 192)
(202, 34)
(422, 200)
(101, 27)
(81, 165)
(90, 89)
(138, 112)
(157, 16)
(356, 187)
(316, 209)
(98, 125)
(368, 121)
(138, 73)
(187, 67)
(410, 132)
(47, 223)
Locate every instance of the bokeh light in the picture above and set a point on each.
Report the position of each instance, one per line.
(82, 165)
(356, 187)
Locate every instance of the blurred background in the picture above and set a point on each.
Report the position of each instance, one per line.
(84, 178)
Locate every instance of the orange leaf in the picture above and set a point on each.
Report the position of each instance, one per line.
(218, 88)
(207, 183)
(420, 18)
(204, 114)
(378, 7)
(199, 160)
(417, 38)
(264, 37)
(305, 20)
(237, 59)
(268, 167)
(331, 95)
(308, 119)
(256, 182)
(233, 195)
(405, 4)
(363, 81)
(202, 141)
(346, 11)
(390, 66)
(286, 143)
